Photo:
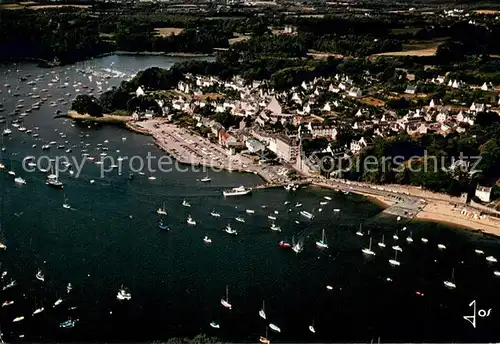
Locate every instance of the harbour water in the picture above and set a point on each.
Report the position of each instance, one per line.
(110, 237)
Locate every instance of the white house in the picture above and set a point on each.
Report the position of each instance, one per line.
(483, 193)
(411, 89)
(139, 92)
(355, 92)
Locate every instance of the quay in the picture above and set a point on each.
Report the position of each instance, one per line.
(191, 149)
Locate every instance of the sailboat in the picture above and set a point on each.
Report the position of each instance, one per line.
(65, 204)
(214, 324)
(264, 340)
(451, 284)
(163, 226)
(395, 262)
(190, 221)
(311, 327)
(322, 243)
(162, 211)
(225, 302)
(262, 312)
(409, 239)
(382, 244)
(368, 250)
(359, 232)
(297, 247)
(214, 213)
(185, 203)
(229, 230)
(39, 276)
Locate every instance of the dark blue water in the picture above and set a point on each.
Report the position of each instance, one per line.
(110, 238)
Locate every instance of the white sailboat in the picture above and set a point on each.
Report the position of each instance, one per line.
(162, 210)
(359, 232)
(311, 327)
(395, 262)
(39, 276)
(368, 251)
(207, 240)
(186, 204)
(214, 213)
(451, 283)
(298, 246)
(382, 244)
(229, 230)
(65, 204)
(262, 312)
(225, 302)
(409, 239)
(214, 324)
(322, 243)
(190, 221)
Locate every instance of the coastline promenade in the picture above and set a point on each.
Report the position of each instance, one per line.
(188, 148)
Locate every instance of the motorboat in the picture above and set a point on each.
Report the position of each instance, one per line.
(123, 294)
(18, 319)
(163, 226)
(205, 179)
(67, 324)
(322, 243)
(424, 240)
(214, 214)
(240, 219)
(69, 287)
(284, 244)
(190, 221)
(225, 302)
(306, 214)
(298, 205)
(39, 276)
(214, 324)
(271, 217)
(275, 228)
(162, 211)
(58, 302)
(441, 247)
(274, 327)
(479, 251)
(239, 191)
(38, 310)
(11, 284)
(250, 211)
(20, 181)
(229, 230)
(207, 240)
(7, 303)
(327, 198)
(491, 259)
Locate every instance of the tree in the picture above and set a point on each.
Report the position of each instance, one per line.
(86, 104)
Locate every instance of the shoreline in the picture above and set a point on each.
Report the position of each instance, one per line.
(436, 210)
